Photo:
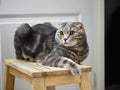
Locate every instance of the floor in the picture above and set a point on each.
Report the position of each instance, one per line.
(114, 87)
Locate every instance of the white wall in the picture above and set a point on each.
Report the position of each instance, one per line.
(0, 63)
(44, 6)
(22, 7)
(36, 8)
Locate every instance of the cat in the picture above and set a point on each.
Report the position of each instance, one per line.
(65, 46)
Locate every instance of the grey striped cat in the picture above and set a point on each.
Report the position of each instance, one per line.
(65, 46)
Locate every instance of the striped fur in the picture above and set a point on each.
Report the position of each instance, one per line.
(63, 47)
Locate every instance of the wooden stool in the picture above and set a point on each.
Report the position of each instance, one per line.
(40, 76)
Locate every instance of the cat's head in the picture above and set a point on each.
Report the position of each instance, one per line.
(70, 34)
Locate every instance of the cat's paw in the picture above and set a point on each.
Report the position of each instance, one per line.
(75, 70)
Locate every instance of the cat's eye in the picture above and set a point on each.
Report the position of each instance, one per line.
(72, 32)
(61, 33)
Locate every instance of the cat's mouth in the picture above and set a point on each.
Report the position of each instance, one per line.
(65, 43)
(68, 44)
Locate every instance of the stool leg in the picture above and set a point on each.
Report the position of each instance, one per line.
(38, 84)
(9, 80)
(85, 83)
(50, 88)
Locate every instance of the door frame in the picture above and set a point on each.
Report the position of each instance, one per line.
(99, 44)
(1, 84)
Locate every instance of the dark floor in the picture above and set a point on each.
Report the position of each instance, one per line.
(113, 87)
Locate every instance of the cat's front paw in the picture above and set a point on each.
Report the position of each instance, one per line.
(75, 69)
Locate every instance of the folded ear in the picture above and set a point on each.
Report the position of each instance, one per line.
(62, 24)
(79, 25)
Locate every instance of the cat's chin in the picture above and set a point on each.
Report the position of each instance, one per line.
(64, 45)
(67, 45)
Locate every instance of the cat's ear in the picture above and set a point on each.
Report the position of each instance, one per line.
(79, 25)
(62, 24)
(25, 28)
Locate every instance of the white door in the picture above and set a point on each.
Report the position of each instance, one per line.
(13, 13)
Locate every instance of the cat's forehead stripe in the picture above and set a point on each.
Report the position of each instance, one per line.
(68, 26)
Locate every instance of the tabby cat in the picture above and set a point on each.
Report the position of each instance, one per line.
(65, 46)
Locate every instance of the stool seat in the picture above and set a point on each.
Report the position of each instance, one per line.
(41, 76)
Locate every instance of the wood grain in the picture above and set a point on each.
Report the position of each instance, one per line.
(85, 83)
(40, 76)
(9, 80)
(50, 88)
(36, 69)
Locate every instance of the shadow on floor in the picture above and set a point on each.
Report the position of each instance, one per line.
(113, 87)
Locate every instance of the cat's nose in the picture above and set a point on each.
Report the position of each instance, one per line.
(65, 39)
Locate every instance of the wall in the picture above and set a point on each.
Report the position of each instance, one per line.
(31, 8)
(25, 7)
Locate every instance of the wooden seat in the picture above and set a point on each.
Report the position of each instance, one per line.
(40, 76)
